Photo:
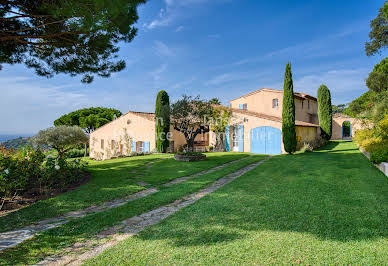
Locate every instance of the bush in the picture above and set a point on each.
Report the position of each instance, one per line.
(361, 135)
(182, 148)
(379, 155)
(29, 169)
(375, 141)
(307, 147)
(209, 148)
(76, 153)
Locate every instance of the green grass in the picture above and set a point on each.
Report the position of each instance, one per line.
(325, 207)
(54, 240)
(167, 170)
(111, 179)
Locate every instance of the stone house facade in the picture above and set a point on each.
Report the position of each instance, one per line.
(255, 127)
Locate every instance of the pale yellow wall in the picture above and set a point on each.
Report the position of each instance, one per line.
(137, 127)
(306, 112)
(337, 126)
(261, 102)
(305, 135)
(251, 122)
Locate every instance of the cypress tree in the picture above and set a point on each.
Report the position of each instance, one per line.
(162, 121)
(288, 115)
(325, 112)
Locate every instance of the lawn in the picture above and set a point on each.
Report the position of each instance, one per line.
(55, 240)
(112, 179)
(325, 207)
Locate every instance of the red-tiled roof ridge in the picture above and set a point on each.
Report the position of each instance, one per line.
(298, 94)
(272, 118)
(148, 116)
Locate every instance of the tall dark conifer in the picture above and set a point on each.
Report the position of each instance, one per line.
(288, 115)
(162, 121)
(325, 112)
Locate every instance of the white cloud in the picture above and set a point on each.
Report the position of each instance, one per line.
(174, 9)
(179, 29)
(162, 50)
(27, 106)
(344, 84)
(233, 77)
(156, 75)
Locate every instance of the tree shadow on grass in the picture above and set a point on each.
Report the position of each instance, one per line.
(332, 196)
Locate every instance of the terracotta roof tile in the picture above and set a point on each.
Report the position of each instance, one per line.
(272, 118)
(149, 116)
(297, 94)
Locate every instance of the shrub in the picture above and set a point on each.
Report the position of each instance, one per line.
(29, 169)
(363, 134)
(76, 153)
(307, 147)
(379, 155)
(209, 148)
(182, 148)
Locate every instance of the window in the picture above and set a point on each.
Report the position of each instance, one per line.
(275, 103)
(102, 144)
(302, 104)
(308, 104)
(245, 106)
(113, 144)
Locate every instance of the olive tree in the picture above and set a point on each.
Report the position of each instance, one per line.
(61, 138)
(189, 117)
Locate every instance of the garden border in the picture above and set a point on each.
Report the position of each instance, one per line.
(383, 167)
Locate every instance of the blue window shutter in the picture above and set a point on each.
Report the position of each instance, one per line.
(227, 138)
(133, 145)
(147, 146)
(240, 106)
(240, 138)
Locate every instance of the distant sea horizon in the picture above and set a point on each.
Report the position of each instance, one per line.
(6, 137)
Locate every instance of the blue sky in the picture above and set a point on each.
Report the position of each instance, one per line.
(215, 48)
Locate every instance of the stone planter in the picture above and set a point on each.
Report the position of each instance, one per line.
(189, 158)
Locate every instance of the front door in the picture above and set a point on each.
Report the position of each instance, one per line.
(235, 138)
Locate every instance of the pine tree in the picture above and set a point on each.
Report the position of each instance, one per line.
(162, 121)
(325, 112)
(288, 115)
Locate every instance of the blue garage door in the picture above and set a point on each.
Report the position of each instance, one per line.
(266, 140)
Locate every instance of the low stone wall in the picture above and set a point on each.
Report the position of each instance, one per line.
(189, 158)
(383, 167)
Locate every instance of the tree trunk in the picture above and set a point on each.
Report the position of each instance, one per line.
(190, 145)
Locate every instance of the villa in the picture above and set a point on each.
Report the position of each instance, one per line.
(256, 127)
